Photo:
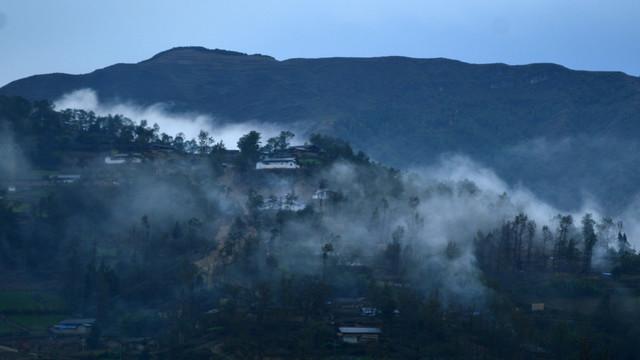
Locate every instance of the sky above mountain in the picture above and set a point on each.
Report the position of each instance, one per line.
(75, 36)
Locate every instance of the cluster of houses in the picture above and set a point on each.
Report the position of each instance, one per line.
(152, 151)
(26, 183)
(279, 203)
(293, 157)
(276, 203)
(357, 321)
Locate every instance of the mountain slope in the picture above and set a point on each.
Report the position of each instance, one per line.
(402, 111)
(443, 100)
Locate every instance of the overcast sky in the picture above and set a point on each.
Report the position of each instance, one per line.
(79, 36)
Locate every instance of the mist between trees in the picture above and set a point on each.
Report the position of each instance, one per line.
(187, 232)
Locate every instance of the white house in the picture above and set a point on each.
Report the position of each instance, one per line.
(358, 334)
(277, 163)
(117, 159)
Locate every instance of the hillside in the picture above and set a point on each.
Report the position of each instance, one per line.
(118, 242)
(403, 111)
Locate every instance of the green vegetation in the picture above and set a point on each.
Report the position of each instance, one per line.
(36, 322)
(30, 301)
(5, 328)
(229, 261)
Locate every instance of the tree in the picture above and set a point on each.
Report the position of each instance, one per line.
(326, 249)
(218, 156)
(519, 227)
(589, 237)
(623, 244)
(547, 237)
(254, 202)
(263, 295)
(188, 276)
(272, 263)
(249, 145)
(394, 248)
(562, 236)
(531, 232)
(451, 251)
(178, 141)
(335, 148)
(74, 265)
(388, 307)
(192, 232)
(290, 199)
(204, 142)
(280, 142)
(505, 243)
(606, 231)
(435, 333)
(417, 221)
(323, 191)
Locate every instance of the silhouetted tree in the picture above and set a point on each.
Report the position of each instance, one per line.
(394, 248)
(204, 142)
(249, 146)
(280, 142)
(547, 237)
(326, 250)
(589, 237)
(531, 232)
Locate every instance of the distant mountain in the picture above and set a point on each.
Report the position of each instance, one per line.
(557, 131)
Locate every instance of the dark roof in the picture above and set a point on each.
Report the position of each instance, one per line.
(359, 330)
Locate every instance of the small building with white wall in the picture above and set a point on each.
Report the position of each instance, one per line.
(277, 163)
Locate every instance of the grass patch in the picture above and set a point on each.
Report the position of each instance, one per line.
(5, 328)
(573, 288)
(625, 277)
(26, 301)
(21, 207)
(37, 322)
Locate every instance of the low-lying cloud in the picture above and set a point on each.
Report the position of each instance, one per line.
(457, 168)
(458, 196)
(13, 163)
(170, 123)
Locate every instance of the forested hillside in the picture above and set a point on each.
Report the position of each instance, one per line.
(539, 125)
(180, 248)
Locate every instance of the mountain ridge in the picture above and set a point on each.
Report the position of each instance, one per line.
(402, 111)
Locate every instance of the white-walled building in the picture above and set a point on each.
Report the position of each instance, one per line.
(277, 163)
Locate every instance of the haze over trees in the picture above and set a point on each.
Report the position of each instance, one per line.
(446, 268)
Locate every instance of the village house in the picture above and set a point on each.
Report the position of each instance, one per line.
(357, 335)
(349, 312)
(117, 159)
(293, 157)
(73, 327)
(277, 163)
(63, 179)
